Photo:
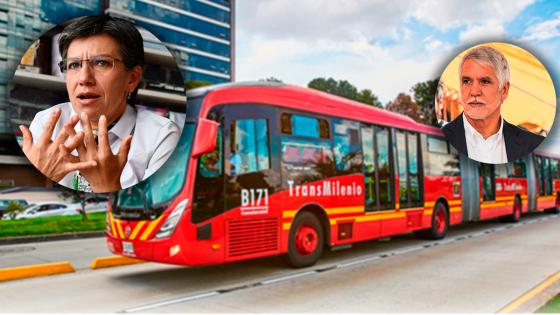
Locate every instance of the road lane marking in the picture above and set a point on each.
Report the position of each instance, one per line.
(532, 293)
(35, 271)
(288, 277)
(319, 269)
(173, 301)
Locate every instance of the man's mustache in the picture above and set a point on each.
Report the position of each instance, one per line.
(474, 100)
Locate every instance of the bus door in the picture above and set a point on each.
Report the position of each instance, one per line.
(543, 175)
(250, 176)
(410, 177)
(410, 181)
(251, 182)
(547, 178)
(377, 168)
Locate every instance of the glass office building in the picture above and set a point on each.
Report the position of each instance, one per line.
(198, 33)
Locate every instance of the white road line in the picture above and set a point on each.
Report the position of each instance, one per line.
(346, 264)
(173, 301)
(289, 277)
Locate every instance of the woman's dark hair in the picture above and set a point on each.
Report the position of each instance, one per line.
(125, 34)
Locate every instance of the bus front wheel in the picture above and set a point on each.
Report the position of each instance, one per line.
(440, 223)
(306, 241)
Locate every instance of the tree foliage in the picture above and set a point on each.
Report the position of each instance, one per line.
(404, 104)
(344, 89)
(76, 196)
(424, 96)
(272, 79)
(13, 209)
(367, 96)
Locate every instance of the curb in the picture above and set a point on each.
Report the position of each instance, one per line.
(114, 261)
(35, 271)
(31, 271)
(52, 237)
(533, 299)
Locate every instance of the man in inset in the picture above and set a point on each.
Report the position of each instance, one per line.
(480, 131)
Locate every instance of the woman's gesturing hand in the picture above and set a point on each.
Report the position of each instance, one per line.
(105, 176)
(45, 154)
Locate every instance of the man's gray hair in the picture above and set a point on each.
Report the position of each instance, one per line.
(488, 56)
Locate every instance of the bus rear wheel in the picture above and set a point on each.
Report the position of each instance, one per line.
(440, 224)
(306, 241)
(515, 216)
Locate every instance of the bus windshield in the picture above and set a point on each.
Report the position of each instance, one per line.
(148, 199)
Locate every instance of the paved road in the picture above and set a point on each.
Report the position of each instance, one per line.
(80, 253)
(473, 270)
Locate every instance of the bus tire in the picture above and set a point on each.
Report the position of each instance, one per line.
(306, 241)
(516, 213)
(439, 226)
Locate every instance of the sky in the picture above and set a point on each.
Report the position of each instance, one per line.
(385, 46)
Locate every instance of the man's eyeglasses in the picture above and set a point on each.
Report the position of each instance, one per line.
(99, 64)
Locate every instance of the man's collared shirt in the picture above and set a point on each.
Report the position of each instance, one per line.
(153, 140)
(491, 150)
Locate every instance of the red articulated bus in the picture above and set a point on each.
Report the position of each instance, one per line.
(271, 169)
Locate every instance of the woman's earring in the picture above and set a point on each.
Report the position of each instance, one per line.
(128, 95)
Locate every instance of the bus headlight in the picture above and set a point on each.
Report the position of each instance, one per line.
(171, 222)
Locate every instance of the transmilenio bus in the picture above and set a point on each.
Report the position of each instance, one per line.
(266, 169)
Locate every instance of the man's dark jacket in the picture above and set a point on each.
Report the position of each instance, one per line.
(519, 142)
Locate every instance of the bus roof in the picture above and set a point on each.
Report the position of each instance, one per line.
(305, 99)
(547, 152)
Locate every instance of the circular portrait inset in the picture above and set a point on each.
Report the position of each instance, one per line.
(98, 104)
(495, 103)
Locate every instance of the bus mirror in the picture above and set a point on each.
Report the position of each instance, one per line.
(205, 140)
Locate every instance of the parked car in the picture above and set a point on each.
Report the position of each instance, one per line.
(4, 205)
(49, 209)
(95, 204)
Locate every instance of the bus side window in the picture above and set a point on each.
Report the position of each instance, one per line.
(517, 169)
(304, 126)
(368, 149)
(443, 160)
(500, 171)
(347, 150)
(249, 146)
(554, 168)
(305, 149)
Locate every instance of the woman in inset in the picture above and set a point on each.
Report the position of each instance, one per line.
(97, 141)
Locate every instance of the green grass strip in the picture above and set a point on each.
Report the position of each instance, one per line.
(552, 306)
(52, 225)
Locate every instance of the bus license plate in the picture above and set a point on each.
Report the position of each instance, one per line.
(127, 248)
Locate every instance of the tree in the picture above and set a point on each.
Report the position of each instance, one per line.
(272, 79)
(367, 96)
(424, 96)
(13, 209)
(403, 104)
(326, 85)
(344, 89)
(76, 196)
